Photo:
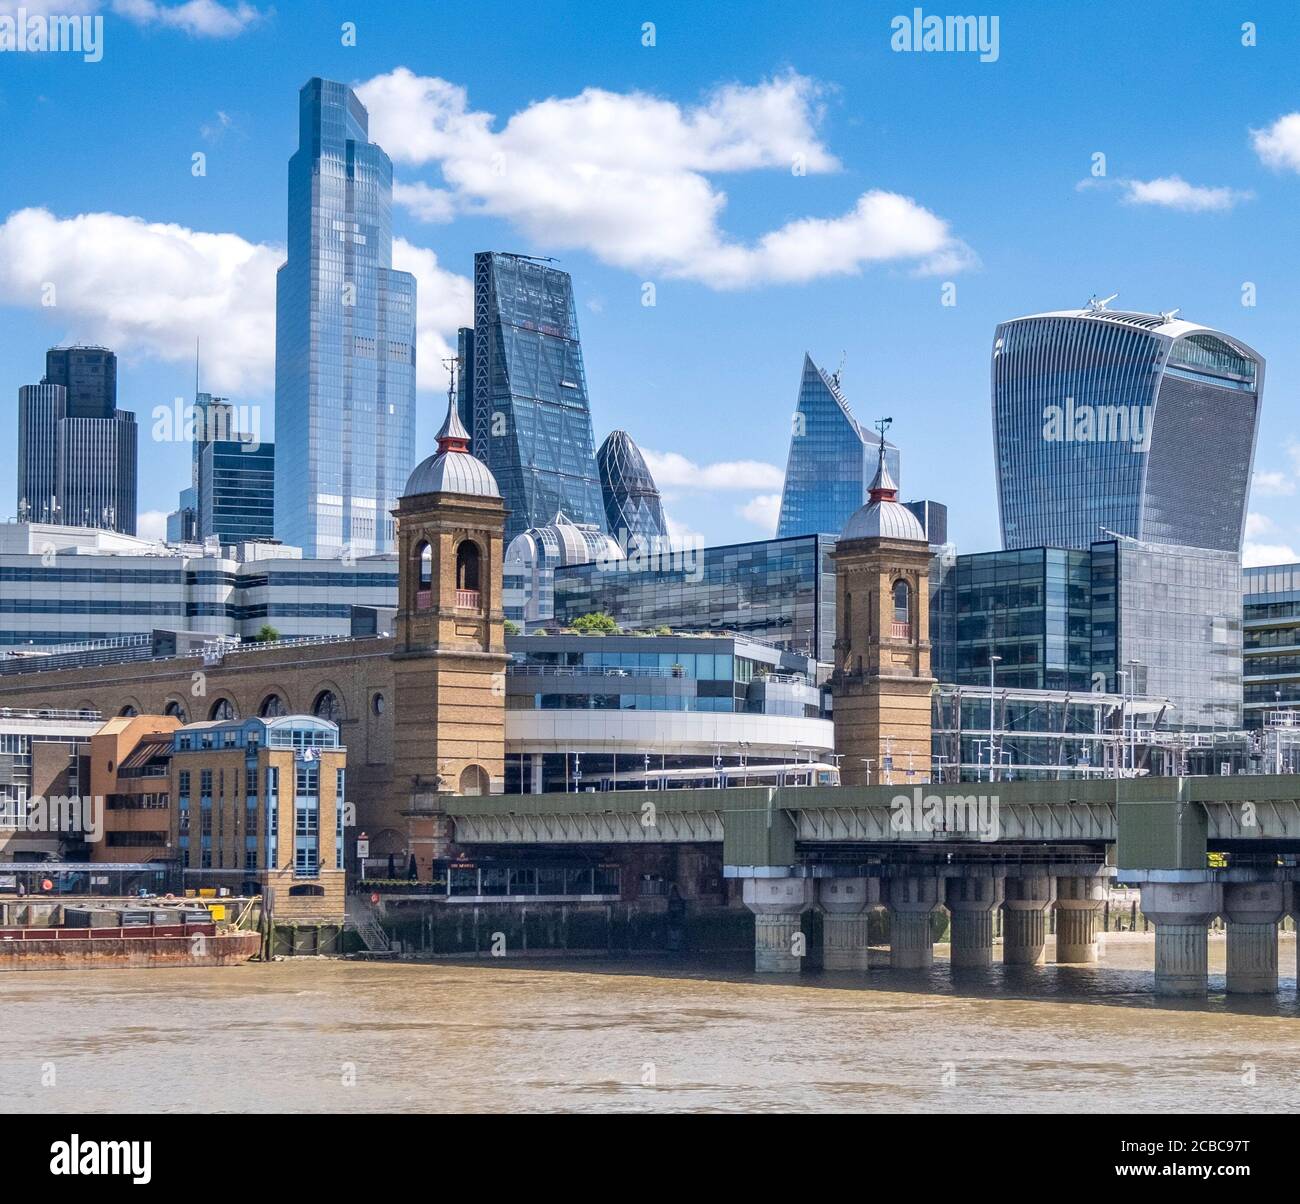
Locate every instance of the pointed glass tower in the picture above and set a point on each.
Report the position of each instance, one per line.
(832, 459)
(631, 500)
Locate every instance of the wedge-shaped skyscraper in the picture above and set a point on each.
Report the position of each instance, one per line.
(832, 459)
(525, 397)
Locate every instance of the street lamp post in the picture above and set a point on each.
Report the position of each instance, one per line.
(993, 661)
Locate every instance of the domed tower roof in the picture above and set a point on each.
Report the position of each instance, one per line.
(883, 517)
(452, 469)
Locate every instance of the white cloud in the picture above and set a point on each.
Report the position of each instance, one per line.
(425, 203)
(151, 524)
(1259, 524)
(150, 289)
(671, 470)
(198, 18)
(1273, 484)
(682, 536)
(624, 176)
(1173, 192)
(1279, 145)
(763, 511)
(443, 302)
(1255, 554)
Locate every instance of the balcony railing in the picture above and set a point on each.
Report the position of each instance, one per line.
(900, 631)
(467, 599)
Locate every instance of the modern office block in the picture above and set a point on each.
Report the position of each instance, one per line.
(1122, 617)
(530, 421)
(1105, 422)
(345, 339)
(779, 591)
(76, 450)
(832, 459)
(528, 581)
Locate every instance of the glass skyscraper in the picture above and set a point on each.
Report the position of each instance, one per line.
(632, 502)
(344, 339)
(832, 459)
(1106, 421)
(526, 395)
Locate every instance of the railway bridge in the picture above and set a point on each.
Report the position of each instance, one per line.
(1198, 848)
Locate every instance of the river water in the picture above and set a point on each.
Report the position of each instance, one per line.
(638, 1035)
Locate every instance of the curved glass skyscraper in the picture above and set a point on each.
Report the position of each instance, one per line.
(1142, 425)
(631, 500)
(344, 338)
(832, 459)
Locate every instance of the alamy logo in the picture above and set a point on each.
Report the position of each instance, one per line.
(1073, 423)
(40, 33)
(954, 34)
(77, 1157)
(976, 814)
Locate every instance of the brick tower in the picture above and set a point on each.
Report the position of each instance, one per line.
(882, 683)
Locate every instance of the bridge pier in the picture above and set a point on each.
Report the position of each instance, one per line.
(912, 900)
(845, 903)
(1024, 919)
(1252, 911)
(1079, 899)
(778, 905)
(1181, 912)
(972, 900)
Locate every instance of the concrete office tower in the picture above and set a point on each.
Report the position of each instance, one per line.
(77, 451)
(832, 459)
(524, 399)
(1105, 423)
(344, 339)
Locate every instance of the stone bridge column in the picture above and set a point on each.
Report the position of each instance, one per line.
(972, 900)
(845, 903)
(1181, 912)
(778, 904)
(1024, 919)
(1252, 911)
(912, 900)
(1079, 900)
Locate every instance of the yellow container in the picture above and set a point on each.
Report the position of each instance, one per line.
(217, 910)
(207, 892)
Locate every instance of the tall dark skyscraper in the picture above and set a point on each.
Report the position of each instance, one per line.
(632, 502)
(344, 338)
(76, 450)
(832, 459)
(1106, 421)
(89, 374)
(526, 392)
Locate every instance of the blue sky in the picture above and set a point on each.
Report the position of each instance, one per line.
(669, 164)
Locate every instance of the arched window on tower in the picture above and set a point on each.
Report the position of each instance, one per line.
(424, 578)
(902, 625)
(467, 575)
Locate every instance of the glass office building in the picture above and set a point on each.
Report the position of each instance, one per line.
(344, 339)
(1104, 422)
(780, 591)
(1271, 640)
(1122, 617)
(832, 459)
(529, 417)
(632, 503)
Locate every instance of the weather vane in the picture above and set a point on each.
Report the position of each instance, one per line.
(882, 425)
